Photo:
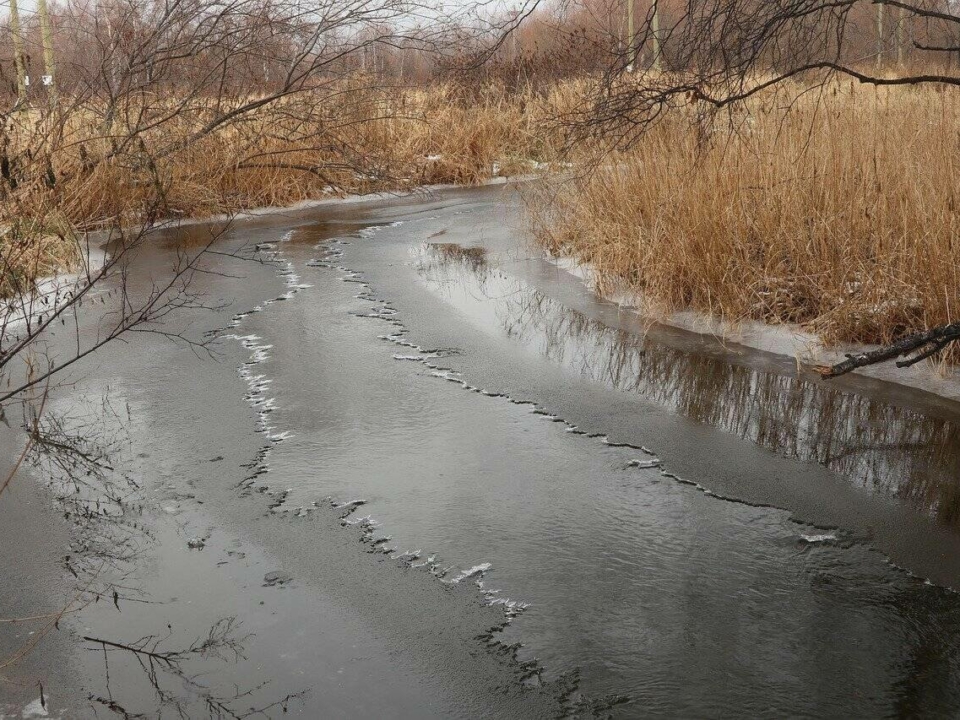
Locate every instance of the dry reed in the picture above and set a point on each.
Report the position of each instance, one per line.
(839, 212)
(369, 139)
(353, 138)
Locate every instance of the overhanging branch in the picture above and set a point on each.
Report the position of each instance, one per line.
(926, 344)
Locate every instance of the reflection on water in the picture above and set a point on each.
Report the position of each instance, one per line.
(453, 254)
(898, 451)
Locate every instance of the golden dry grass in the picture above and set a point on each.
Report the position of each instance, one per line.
(840, 213)
(349, 138)
(30, 251)
(368, 140)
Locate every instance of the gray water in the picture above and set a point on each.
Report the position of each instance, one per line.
(685, 604)
(674, 527)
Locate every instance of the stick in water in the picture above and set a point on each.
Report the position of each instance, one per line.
(928, 342)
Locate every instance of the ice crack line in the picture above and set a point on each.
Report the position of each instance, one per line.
(384, 311)
(258, 385)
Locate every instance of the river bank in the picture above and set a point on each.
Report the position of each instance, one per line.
(789, 341)
(829, 208)
(84, 166)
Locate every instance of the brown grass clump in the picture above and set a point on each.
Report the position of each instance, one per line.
(353, 137)
(32, 249)
(840, 213)
(351, 140)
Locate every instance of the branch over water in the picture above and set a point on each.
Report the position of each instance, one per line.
(928, 343)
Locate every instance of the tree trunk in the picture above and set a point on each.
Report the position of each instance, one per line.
(655, 28)
(18, 51)
(879, 35)
(47, 40)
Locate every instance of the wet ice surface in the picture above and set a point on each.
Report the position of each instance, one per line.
(654, 590)
(479, 418)
(187, 439)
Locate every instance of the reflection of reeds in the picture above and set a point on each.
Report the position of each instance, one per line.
(474, 258)
(889, 449)
(450, 265)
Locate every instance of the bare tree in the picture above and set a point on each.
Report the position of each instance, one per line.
(721, 52)
(18, 59)
(156, 80)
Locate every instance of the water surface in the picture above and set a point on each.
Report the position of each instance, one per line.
(677, 527)
(652, 588)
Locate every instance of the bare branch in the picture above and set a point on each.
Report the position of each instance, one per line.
(929, 343)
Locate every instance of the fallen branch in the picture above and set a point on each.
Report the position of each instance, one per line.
(928, 343)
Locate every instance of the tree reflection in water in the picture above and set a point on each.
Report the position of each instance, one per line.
(901, 452)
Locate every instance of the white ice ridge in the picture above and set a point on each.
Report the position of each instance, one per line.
(429, 561)
(475, 571)
(407, 555)
(350, 504)
(257, 384)
(34, 710)
(365, 521)
(823, 537)
(645, 464)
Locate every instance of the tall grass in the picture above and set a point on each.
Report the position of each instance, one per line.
(346, 140)
(353, 137)
(839, 211)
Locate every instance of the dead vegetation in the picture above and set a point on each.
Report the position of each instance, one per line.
(353, 138)
(830, 207)
(835, 209)
(343, 140)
